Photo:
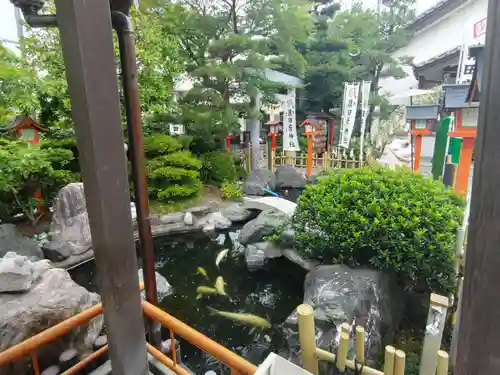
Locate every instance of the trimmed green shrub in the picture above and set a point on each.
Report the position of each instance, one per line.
(395, 221)
(173, 173)
(217, 167)
(25, 169)
(230, 191)
(67, 144)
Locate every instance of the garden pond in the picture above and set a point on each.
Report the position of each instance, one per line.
(272, 293)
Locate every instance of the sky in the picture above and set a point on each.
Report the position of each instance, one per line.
(8, 23)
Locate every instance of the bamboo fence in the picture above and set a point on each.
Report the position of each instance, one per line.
(433, 361)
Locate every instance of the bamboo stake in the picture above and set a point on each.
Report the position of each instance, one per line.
(399, 363)
(389, 360)
(345, 328)
(442, 365)
(323, 355)
(360, 345)
(342, 351)
(307, 338)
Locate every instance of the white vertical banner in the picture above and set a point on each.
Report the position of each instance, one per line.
(365, 100)
(349, 108)
(290, 139)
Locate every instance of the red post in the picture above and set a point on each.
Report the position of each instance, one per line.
(418, 151)
(309, 155)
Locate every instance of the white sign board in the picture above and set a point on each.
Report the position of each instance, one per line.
(474, 34)
(365, 108)
(290, 139)
(349, 109)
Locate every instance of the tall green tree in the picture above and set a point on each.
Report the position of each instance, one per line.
(372, 40)
(158, 63)
(18, 83)
(227, 46)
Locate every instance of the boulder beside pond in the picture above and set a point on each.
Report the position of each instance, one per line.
(263, 225)
(16, 273)
(258, 180)
(163, 288)
(339, 295)
(12, 240)
(52, 298)
(288, 177)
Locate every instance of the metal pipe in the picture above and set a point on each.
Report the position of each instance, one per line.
(198, 339)
(128, 63)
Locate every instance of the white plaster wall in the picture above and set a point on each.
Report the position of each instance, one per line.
(451, 31)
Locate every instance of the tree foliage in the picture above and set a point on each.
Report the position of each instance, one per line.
(227, 45)
(158, 63)
(25, 169)
(17, 86)
(354, 45)
(173, 173)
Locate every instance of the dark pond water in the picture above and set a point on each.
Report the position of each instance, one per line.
(272, 293)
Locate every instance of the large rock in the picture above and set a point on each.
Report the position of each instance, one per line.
(339, 295)
(263, 225)
(237, 213)
(256, 254)
(16, 273)
(69, 229)
(258, 180)
(214, 221)
(163, 288)
(293, 256)
(53, 298)
(12, 240)
(288, 177)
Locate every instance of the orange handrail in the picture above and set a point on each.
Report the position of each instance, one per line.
(84, 362)
(166, 361)
(237, 364)
(50, 334)
(196, 338)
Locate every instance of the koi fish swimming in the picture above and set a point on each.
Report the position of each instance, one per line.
(219, 286)
(221, 256)
(201, 271)
(242, 318)
(205, 291)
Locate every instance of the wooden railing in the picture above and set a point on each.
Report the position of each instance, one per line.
(237, 364)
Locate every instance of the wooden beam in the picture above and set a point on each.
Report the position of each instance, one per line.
(87, 43)
(478, 348)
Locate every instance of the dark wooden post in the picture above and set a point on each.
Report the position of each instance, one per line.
(478, 343)
(87, 42)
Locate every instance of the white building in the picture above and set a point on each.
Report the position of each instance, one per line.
(438, 36)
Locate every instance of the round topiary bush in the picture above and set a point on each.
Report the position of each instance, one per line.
(173, 173)
(395, 221)
(217, 167)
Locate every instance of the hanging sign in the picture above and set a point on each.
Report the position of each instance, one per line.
(290, 139)
(349, 108)
(474, 34)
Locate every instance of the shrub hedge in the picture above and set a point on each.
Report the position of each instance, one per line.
(217, 167)
(173, 173)
(395, 221)
(26, 169)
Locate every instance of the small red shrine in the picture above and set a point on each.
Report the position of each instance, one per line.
(25, 129)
